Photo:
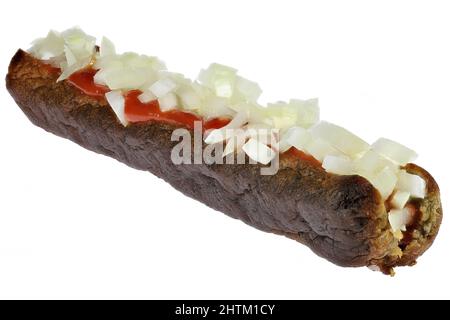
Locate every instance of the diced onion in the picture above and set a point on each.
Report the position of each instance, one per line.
(107, 48)
(162, 87)
(117, 103)
(340, 138)
(385, 182)
(219, 78)
(168, 102)
(411, 183)
(394, 151)
(400, 199)
(399, 219)
(294, 137)
(146, 97)
(248, 90)
(337, 165)
(308, 111)
(48, 47)
(258, 151)
(370, 163)
(79, 50)
(190, 100)
(319, 148)
(214, 107)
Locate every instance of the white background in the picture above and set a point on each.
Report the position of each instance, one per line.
(74, 224)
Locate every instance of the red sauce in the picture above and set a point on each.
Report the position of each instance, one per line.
(51, 69)
(84, 80)
(215, 123)
(300, 154)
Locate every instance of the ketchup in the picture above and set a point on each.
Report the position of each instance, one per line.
(84, 80)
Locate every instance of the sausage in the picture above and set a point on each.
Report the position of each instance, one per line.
(342, 218)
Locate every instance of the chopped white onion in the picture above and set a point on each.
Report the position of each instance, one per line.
(400, 199)
(168, 102)
(122, 78)
(48, 47)
(248, 90)
(215, 107)
(219, 78)
(308, 111)
(280, 115)
(340, 138)
(258, 151)
(117, 103)
(146, 97)
(162, 87)
(320, 148)
(370, 163)
(411, 183)
(385, 182)
(399, 219)
(79, 49)
(190, 100)
(337, 165)
(294, 137)
(107, 48)
(127, 71)
(394, 151)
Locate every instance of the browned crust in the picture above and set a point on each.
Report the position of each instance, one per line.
(341, 218)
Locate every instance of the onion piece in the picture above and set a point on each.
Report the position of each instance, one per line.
(146, 97)
(79, 49)
(117, 103)
(107, 48)
(399, 219)
(308, 111)
(340, 138)
(122, 78)
(385, 182)
(294, 137)
(394, 151)
(190, 100)
(371, 163)
(411, 183)
(337, 165)
(219, 78)
(49, 47)
(320, 148)
(246, 90)
(215, 107)
(400, 199)
(258, 151)
(162, 87)
(168, 102)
